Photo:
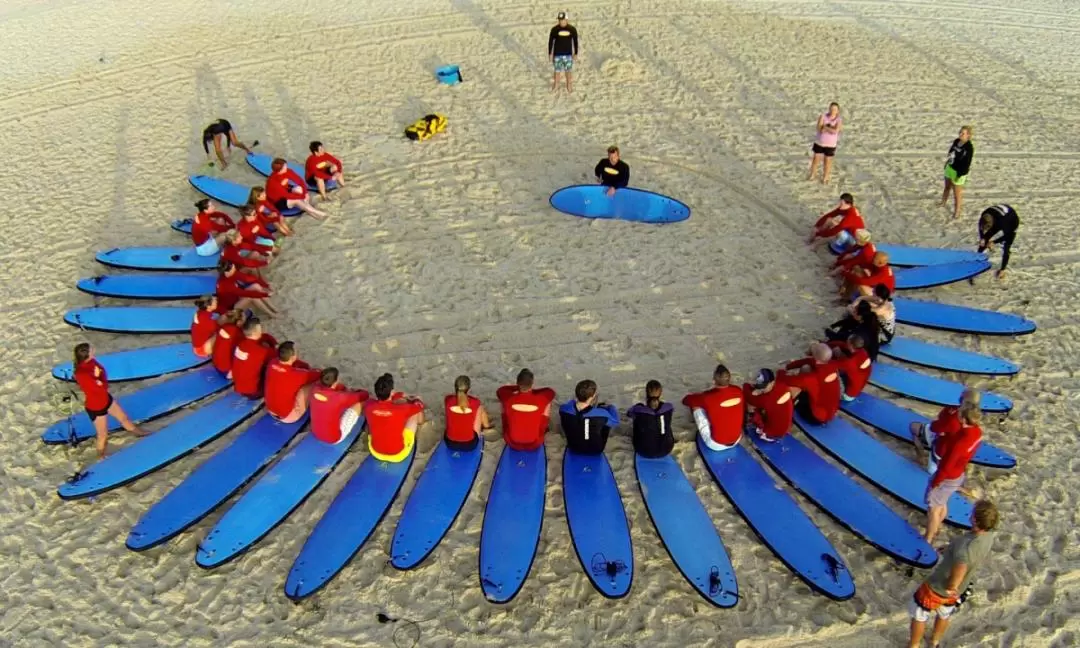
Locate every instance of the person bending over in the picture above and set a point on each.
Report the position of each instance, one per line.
(329, 400)
(612, 172)
(999, 219)
(719, 411)
(526, 412)
(287, 190)
(289, 382)
(942, 594)
(585, 422)
(815, 384)
(92, 380)
(223, 137)
(652, 423)
(771, 405)
(466, 417)
(321, 167)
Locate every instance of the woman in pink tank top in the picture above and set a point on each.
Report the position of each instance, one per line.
(829, 125)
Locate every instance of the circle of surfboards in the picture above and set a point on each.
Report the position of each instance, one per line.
(513, 516)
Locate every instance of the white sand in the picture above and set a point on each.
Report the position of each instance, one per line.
(445, 258)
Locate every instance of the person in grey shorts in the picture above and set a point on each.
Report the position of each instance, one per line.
(942, 594)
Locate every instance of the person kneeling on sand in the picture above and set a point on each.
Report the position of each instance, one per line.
(526, 412)
(329, 400)
(839, 225)
(393, 419)
(942, 594)
(285, 189)
(652, 423)
(719, 411)
(466, 417)
(585, 422)
(289, 382)
(612, 172)
(321, 167)
(815, 384)
(770, 404)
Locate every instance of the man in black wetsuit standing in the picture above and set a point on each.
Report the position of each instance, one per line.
(563, 51)
(999, 219)
(612, 172)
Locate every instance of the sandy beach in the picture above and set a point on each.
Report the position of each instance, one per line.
(444, 257)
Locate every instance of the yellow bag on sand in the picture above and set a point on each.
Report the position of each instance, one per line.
(426, 128)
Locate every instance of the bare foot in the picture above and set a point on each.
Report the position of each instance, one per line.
(139, 432)
(1000, 274)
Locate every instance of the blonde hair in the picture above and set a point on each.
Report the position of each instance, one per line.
(970, 130)
(970, 413)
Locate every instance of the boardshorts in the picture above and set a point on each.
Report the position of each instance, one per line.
(563, 63)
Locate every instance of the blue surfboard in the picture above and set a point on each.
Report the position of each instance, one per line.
(512, 520)
(844, 500)
(960, 319)
(929, 389)
(162, 447)
(896, 421)
(946, 358)
(778, 521)
(137, 364)
(176, 259)
(347, 524)
(434, 504)
(143, 405)
(273, 498)
(592, 201)
(882, 467)
(910, 256)
(215, 481)
(262, 162)
(149, 286)
(132, 319)
(597, 521)
(686, 530)
(938, 275)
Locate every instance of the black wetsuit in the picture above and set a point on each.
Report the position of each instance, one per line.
(220, 127)
(1006, 222)
(613, 175)
(587, 430)
(562, 41)
(652, 430)
(870, 331)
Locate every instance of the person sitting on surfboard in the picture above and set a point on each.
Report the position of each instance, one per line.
(250, 358)
(526, 412)
(771, 405)
(585, 422)
(839, 224)
(242, 254)
(237, 289)
(864, 323)
(91, 378)
(719, 411)
(652, 423)
(287, 190)
(289, 382)
(815, 384)
(883, 308)
(208, 228)
(329, 400)
(253, 230)
(228, 336)
(954, 452)
(321, 167)
(266, 212)
(393, 419)
(862, 279)
(218, 133)
(861, 254)
(466, 417)
(854, 364)
(204, 327)
(612, 172)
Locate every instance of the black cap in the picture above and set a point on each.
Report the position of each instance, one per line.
(763, 378)
(562, 15)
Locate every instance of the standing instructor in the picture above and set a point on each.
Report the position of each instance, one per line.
(563, 50)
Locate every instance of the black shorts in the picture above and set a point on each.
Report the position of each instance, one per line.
(802, 406)
(311, 181)
(827, 151)
(462, 446)
(94, 414)
(282, 204)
